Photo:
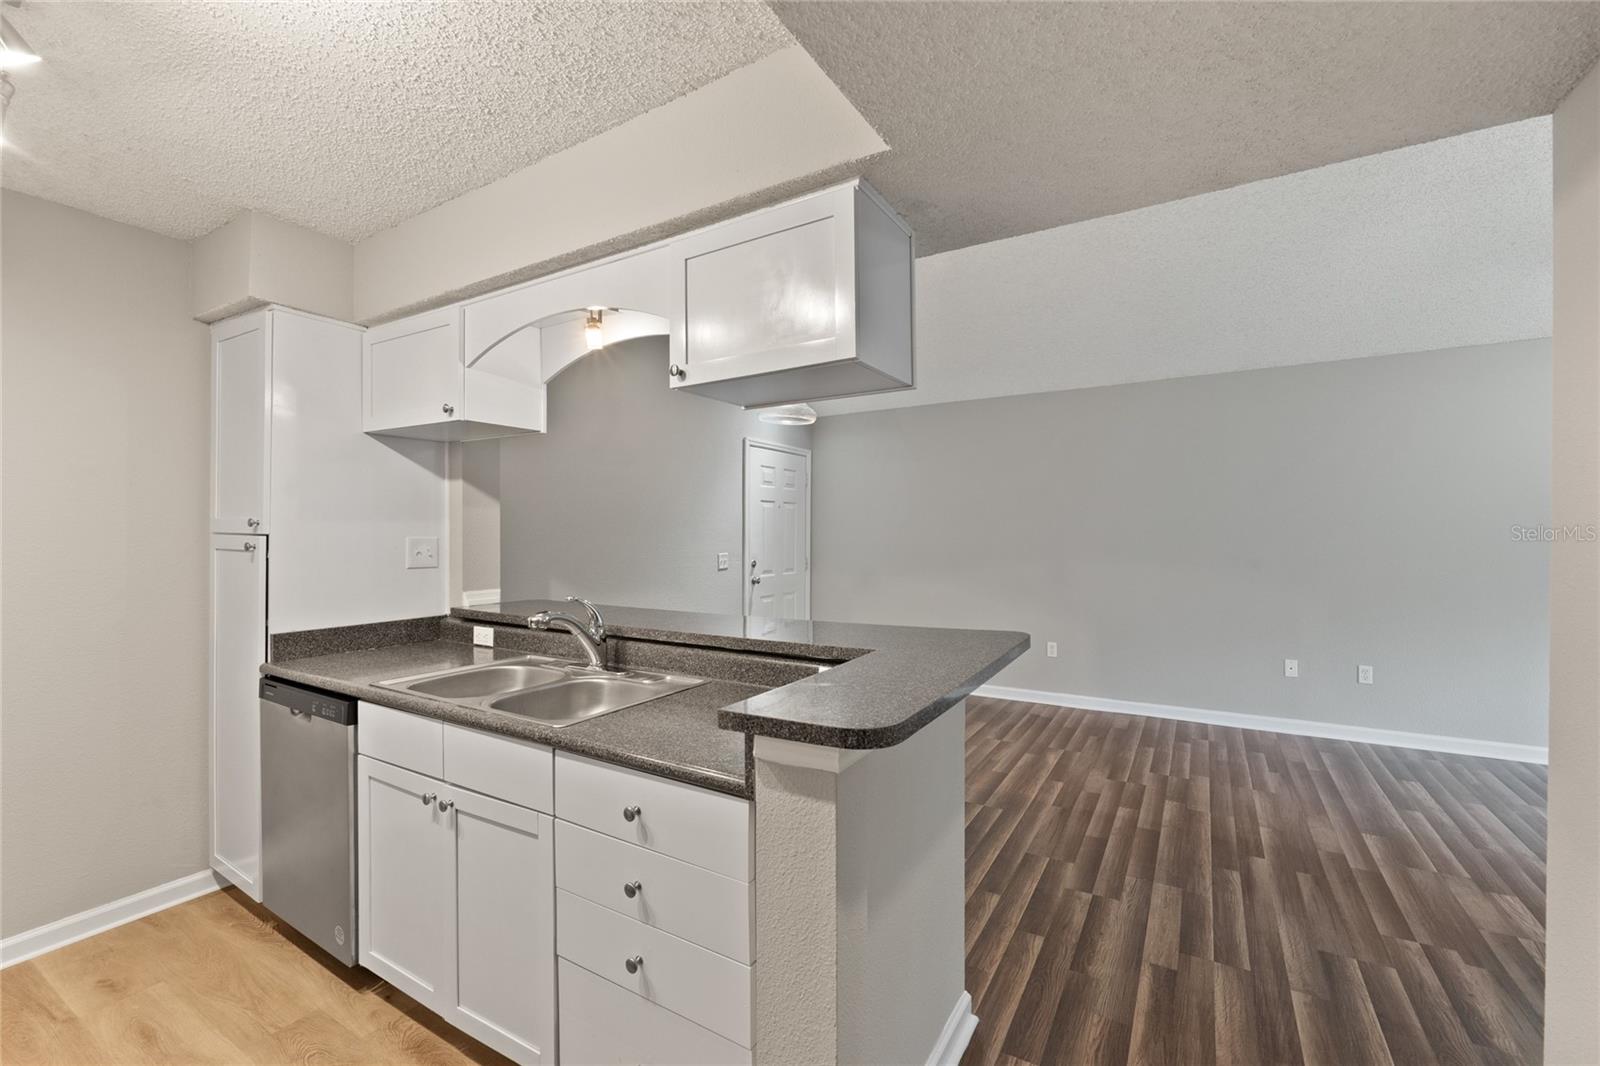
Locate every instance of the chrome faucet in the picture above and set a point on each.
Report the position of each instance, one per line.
(591, 634)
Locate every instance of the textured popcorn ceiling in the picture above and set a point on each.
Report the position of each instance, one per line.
(344, 117)
(1004, 119)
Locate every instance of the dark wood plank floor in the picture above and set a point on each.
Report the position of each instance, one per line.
(1141, 890)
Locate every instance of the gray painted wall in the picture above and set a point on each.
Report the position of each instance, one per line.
(1180, 539)
(106, 445)
(633, 491)
(480, 515)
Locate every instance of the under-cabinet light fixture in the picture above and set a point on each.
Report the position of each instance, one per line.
(790, 414)
(594, 334)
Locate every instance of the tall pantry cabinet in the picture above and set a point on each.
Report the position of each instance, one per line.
(310, 524)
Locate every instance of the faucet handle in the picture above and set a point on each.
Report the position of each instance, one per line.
(595, 620)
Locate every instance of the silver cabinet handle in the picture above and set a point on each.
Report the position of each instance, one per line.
(635, 964)
(429, 797)
(631, 813)
(632, 889)
(252, 522)
(449, 408)
(249, 545)
(445, 805)
(755, 579)
(676, 371)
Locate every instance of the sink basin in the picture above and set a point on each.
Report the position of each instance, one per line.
(554, 692)
(481, 681)
(578, 698)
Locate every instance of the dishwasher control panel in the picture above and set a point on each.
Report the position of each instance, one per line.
(337, 709)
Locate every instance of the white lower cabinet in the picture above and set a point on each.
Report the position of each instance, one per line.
(456, 901)
(604, 1025)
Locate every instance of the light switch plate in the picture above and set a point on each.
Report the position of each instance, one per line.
(1363, 675)
(483, 636)
(422, 553)
(722, 560)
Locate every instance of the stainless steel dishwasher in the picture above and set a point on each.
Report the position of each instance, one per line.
(308, 813)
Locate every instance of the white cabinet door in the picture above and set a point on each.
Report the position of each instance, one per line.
(238, 648)
(803, 301)
(412, 371)
(241, 423)
(406, 873)
(505, 990)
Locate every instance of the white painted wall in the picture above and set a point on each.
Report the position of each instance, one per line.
(763, 131)
(633, 491)
(1435, 246)
(1572, 1031)
(1180, 539)
(104, 448)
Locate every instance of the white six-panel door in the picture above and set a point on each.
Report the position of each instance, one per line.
(777, 531)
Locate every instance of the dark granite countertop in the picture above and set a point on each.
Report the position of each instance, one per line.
(890, 681)
(676, 736)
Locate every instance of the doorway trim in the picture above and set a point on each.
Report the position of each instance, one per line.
(744, 513)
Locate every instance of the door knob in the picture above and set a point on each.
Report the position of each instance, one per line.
(632, 889)
(635, 964)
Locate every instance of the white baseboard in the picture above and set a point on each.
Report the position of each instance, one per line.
(1394, 738)
(75, 927)
(956, 1035)
(479, 597)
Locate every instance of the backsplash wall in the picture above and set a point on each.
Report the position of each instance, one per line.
(631, 494)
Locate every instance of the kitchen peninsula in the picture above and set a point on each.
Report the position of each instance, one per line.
(785, 838)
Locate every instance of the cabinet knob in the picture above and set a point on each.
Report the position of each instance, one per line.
(252, 522)
(632, 889)
(429, 797)
(635, 964)
(449, 408)
(631, 813)
(249, 545)
(676, 371)
(445, 805)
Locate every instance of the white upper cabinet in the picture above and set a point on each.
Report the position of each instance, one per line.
(807, 300)
(241, 424)
(418, 382)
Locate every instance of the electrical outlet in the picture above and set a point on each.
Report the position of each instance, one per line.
(1050, 649)
(1291, 668)
(1363, 675)
(422, 553)
(722, 560)
(483, 636)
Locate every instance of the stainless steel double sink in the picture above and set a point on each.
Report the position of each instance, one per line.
(554, 692)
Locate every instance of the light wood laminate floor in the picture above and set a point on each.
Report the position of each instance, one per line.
(214, 980)
(1142, 890)
(1138, 890)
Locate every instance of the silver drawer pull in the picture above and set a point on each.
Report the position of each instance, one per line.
(429, 797)
(632, 888)
(631, 813)
(445, 805)
(635, 964)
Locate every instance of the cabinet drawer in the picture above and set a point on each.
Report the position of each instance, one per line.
(407, 740)
(705, 828)
(603, 1025)
(700, 906)
(504, 767)
(686, 979)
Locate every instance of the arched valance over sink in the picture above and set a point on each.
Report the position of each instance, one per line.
(807, 300)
